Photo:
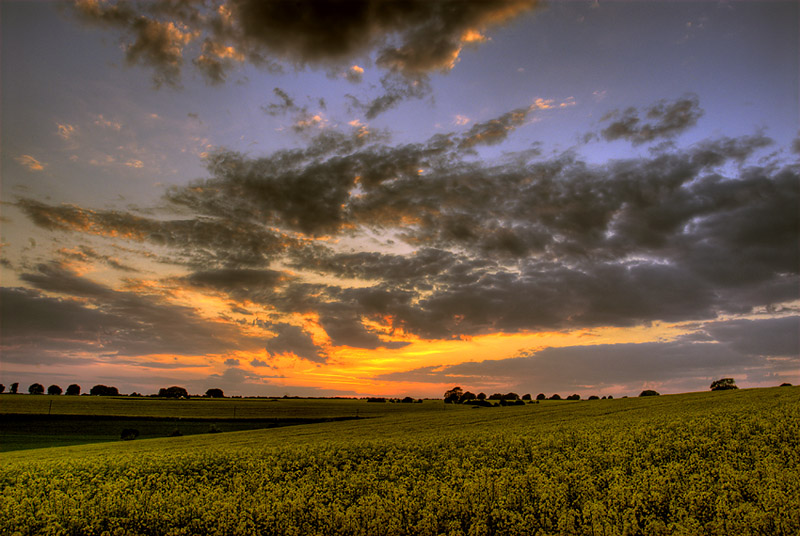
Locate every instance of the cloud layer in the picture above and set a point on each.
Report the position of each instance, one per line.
(515, 245)
(749, 350)
(410, 38)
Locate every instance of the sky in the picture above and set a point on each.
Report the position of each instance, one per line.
(371, 198)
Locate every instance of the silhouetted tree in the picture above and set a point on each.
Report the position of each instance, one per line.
(54, 390)
(574, 397)
(481, 396)
(2, 388)
(215, 393)
(407, 400)
(14, 387)
(103, 390)
(526, 397)
(786, 384)
(541, 396)
(173, 392)
(496, 396)
(594, 397)
(73, 389)
(649, 392)
(36, 389)
(466, 397)
(555, 397)
(511, 396)
(723, 384)
(453, 395)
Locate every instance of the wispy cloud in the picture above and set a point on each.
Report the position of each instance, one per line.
(30, 163)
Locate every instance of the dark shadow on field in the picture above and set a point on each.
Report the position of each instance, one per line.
(28, 431)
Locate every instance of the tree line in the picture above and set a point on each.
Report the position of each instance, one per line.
(105, 390)
(457, 395)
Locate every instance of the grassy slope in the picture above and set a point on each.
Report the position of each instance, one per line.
(712, 463)
(69, 420)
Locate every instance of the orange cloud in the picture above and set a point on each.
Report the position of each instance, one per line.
(30, 162)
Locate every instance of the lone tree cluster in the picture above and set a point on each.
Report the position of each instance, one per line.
(723, 384)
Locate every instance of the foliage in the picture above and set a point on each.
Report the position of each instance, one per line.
(215, 393)
(453, 395)
(724, 384)
(173, 392)
(541, 396)
(574, 397)
(73, 389)
(649, 392)
(36, 389)
(673, 465)
(2, 388)
(54, 390)
(103, 390)
(555, 397)
(14, 387)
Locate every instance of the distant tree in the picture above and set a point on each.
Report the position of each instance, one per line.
(453, 395)
(594, 397)
(466, 397)
(36, 389)
(376, 399)
(574, 397)
(496, 396)
(610, 397)
(786, 384)
(215, 393)
(173, 392)
(649, 392)
(723, 384)
(555, 397)
(54, 390)
(103, 390)
(14, 387)
(526, 397)
(407, 400)
(135, 394)
(541, 396)
(73, 390)
(2, 388)
(511, 396)
(481, 396)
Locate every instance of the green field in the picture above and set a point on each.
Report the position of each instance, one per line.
(702, 463)
(48, 421)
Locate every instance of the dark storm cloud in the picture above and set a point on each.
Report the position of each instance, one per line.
(202, 241)
(666, 120)
(778, 337)
(429, 34)
(594, 369)
(410, 38)
(519, 244)
(116, 323)
(293, 339)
